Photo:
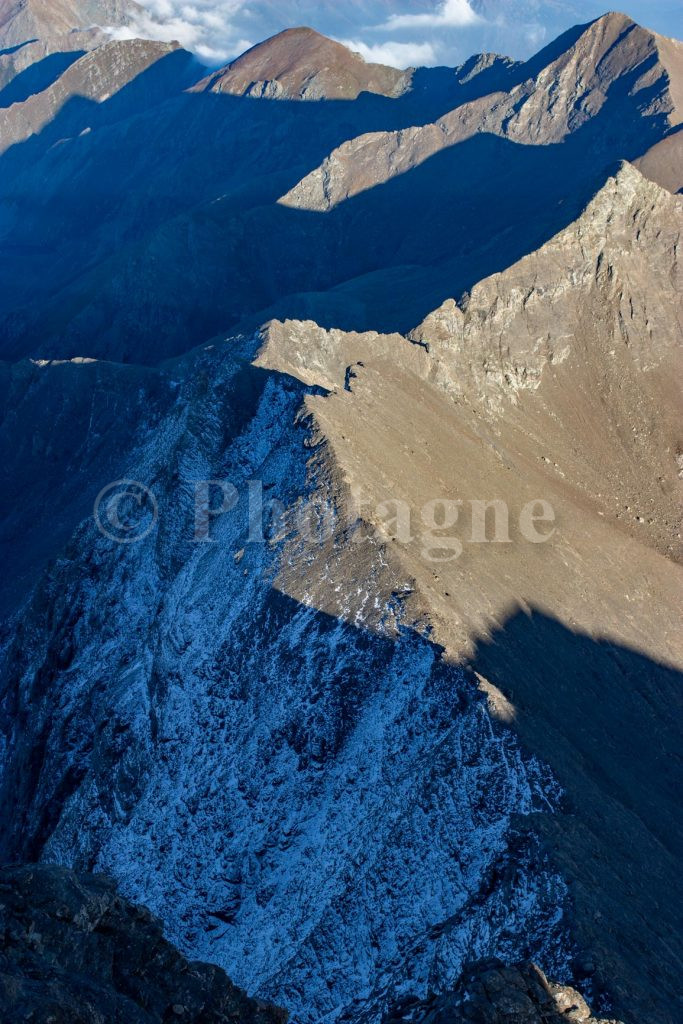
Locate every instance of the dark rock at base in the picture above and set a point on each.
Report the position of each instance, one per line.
(73, 951)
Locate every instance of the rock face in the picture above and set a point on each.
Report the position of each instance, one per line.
(491, 993)
(75, 952)
(300, 64)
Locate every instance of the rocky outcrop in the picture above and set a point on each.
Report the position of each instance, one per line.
(300, 64)
(513, 325)
(492, 993)
(75, 952)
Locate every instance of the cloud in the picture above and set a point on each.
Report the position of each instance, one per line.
(535, 35)
(206, 27)
(396, 55)
(448, 14)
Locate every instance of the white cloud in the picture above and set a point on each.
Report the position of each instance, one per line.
(448, 14)
(206, 27)
(396, 55)
(536, 35)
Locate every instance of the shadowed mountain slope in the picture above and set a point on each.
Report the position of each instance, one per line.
(76, 952)
(93, 78)
(493, 993)
(192, 227)
(340, 790)
(612, 60)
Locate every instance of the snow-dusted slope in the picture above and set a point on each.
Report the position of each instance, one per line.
(323, 807)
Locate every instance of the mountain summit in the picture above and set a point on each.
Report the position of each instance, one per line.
(299, 63)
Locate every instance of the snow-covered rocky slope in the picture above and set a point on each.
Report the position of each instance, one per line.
(319, 804)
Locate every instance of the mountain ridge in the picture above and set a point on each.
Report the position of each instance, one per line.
(518, 115)
(350, 751)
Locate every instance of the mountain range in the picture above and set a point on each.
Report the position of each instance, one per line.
(345, 763)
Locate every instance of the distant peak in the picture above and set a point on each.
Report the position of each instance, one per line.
(610, 25)
(300, 63)
(615, 18)
(301, 31)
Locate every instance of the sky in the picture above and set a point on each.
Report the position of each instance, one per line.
(397, 32)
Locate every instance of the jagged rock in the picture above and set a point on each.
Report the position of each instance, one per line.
(75, 952)
(491, 993)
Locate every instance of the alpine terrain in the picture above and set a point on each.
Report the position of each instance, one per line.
(342, 451)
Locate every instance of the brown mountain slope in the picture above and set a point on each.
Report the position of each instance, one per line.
(664, 162)
(613, 60)
(302, 64)
(557, 380)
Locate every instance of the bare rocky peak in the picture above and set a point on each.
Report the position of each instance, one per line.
(612, 55)
(601, 301)
(578, 347)
(299, 63)
(511, 326)
(573, 88)
(25, 20)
